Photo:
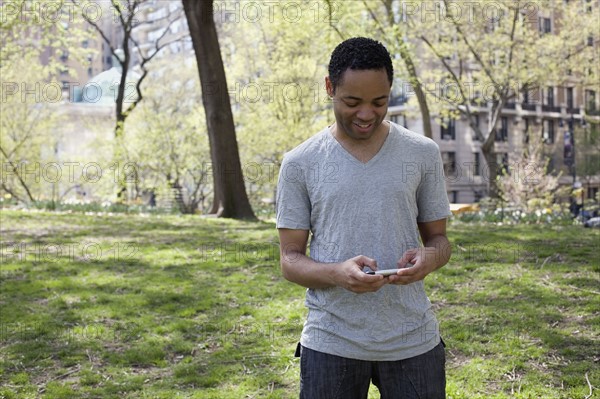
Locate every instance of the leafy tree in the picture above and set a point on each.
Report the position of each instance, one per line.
(30, 96)
(480, 62)
(466, 59)
(166, 138)
(277, 85)
(26, 126)
(528, 183)
(127, 15)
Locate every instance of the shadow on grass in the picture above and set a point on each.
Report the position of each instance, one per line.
(201, 305)
(185, 317)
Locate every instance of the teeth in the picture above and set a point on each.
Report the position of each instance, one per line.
(363, 126)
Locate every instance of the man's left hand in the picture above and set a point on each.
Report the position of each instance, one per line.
(424, 261)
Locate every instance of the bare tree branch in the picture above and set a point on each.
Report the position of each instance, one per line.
(11, 192)
(472, 50)
(14, 168)
(98, 29)
(330, 13)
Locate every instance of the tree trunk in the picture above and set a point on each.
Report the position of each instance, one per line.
(413, 76)
(416, 84)
(492, 174)
(230, 193)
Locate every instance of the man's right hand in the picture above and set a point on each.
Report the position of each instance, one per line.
(300, 269)
(350, 275)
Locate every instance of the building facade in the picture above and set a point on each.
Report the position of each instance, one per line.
(562, 116)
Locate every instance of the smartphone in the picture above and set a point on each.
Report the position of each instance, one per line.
(386, 272)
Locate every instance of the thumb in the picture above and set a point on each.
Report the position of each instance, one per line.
(408, 257)
(366, 261)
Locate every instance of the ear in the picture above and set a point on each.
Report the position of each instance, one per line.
(329, 87)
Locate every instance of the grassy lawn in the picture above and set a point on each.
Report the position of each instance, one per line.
(128, 306)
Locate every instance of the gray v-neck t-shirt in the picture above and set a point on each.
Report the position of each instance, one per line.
(353, 208)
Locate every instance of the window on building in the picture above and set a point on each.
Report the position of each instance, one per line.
(550, 96)
(448, 132)
(90, 72)
(545, 25)
(64, 56)
(502, 132)
(590, 100)
(592, 192)
(590, 41)
(548, 131)
(85, 43)
(476, 123)
(570, 98)
(550, 168)
(477, 164)
(531, 96)
(453, 197)
(449, 160)
(399, 119)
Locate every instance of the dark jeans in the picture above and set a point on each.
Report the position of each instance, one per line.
(324, 376)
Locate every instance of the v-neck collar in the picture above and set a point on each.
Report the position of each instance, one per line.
(355, 160)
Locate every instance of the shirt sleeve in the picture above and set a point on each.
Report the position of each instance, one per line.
(432, 198)
(292, 203)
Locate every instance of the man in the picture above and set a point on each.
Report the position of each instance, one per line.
(366, 189)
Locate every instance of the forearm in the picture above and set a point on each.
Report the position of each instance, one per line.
(438, 248)
(300, 269)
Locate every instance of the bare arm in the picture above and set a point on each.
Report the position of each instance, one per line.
(303, 270)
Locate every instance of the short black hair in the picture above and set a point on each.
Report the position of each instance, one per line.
(359, 53)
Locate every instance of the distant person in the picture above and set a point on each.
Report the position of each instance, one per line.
(365, 189)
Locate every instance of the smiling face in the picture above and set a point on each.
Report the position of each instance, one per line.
(360, 102)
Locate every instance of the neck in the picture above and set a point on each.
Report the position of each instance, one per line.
(363, 150)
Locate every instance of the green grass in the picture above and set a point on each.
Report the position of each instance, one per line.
(166, 306)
